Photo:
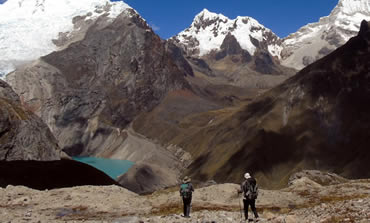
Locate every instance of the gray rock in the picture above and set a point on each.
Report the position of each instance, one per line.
(323, 178)
(23, 135)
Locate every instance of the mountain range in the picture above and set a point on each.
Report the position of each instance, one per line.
(27, 32)
(219, 99)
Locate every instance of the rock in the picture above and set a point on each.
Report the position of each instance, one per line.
(23, 135)
(146, 178)
(323, 178)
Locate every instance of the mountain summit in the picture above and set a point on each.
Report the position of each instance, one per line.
(34, 28)
(316, 40)
(208, 31)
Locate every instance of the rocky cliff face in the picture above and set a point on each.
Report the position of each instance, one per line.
(317, 40)
(95, 87)
(23, 135)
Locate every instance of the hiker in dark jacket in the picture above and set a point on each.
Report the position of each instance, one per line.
(249, 189)
(186, 191)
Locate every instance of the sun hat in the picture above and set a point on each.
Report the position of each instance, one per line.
(186, 180)
(247, 176)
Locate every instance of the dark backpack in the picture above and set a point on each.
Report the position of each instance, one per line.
(250, 189)
(185, 190)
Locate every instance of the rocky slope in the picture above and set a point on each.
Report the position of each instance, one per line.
(23, 135)
(299, 124)
(317, 40)
(304, 201)
(34, 28)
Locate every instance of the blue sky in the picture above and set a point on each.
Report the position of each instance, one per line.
(169, 17)
(283, 17)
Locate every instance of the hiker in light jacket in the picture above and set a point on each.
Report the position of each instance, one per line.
(186, 191)
(249, 189)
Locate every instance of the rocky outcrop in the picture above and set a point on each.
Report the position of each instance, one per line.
(23, 135)
(319, 177)
(93, 89)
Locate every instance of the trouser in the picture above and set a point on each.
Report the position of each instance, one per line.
(187, 202)
(252, 203)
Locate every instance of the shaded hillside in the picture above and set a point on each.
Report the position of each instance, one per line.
(51, 174)
(317, 119)
(23, 135)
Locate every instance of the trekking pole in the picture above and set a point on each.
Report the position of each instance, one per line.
(240, 207)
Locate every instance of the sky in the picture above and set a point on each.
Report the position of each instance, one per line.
(169, 17)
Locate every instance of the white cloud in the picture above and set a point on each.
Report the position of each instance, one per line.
(155, 27)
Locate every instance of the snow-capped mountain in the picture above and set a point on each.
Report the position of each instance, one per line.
(33, 28)
(316, 40)
(208, 31)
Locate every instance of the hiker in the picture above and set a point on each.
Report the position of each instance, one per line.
(249, 189)
(186, 190)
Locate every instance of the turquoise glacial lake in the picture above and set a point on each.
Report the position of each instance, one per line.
(111, 167)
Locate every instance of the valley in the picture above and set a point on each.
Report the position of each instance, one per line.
(221, 98)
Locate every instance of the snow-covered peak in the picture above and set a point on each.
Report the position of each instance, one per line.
(315, 40)
(208, 31)
(348, 14)
(351, 7)
(28, 27)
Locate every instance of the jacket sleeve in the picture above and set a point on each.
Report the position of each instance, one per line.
(191, 187)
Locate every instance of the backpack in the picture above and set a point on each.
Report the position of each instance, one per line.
(185, 191)
(250, 189)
